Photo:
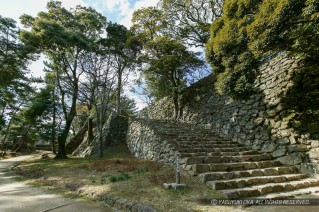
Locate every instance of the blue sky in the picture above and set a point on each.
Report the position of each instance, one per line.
(119, 11)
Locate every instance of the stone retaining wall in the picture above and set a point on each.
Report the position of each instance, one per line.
(263, 121)
(114, 132)
(145, 143)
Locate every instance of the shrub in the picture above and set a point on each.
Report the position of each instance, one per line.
(120, 177)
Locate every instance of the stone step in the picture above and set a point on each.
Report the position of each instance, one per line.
(290, 194)
(198, 139)
(239, 158)
(210, 145)
(194, 132)
(248, 152)
(197, 154)
(258, 190)
(215, 154)
(249, 181)
(201, 168)
(212, 150)
(209, 176)
(207, 142)
(190, 139)
(225, 159)
(230, 167)
(203, 144)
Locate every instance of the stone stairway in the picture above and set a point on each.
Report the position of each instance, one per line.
(230, 167)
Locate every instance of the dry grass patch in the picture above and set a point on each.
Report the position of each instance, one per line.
(123, 165)
(133, 179)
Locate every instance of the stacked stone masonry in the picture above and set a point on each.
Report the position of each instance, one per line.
(260, 122)
(232, 168)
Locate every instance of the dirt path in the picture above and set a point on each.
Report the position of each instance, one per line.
(18, 196)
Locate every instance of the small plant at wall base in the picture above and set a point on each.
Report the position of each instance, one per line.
(120, 177)
(234, 84)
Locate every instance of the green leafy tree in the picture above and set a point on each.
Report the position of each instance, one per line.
(291, 27)
(169, 62)
(32, 119)
(166, 61)
(14, 85)
(250, 32)
(227, 50)
(98, 89)
(62, 36)
(123, 54)
(128, 106)
(14, 59)
(189, 20)
(51, 84)
(288, 26)
(148, 23)
(92, 65)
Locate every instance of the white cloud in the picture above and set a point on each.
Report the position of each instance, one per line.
(72, 3)
(140, 103)
(122, 5)
(145, 3)
(36, 67)
(15, 8)
(125, 19)
(126, 9)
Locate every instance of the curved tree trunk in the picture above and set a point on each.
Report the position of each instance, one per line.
(61, 141)
(62, 154)
(53, 132)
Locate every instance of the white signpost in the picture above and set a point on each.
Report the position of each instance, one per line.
(178, 184)
(177, 168)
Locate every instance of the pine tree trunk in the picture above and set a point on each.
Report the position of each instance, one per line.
(62, 154)
(53, 133)
(119, 87)
(176, 105)
(101, 133)
(90, 130)
(62, 138)
(61, 143)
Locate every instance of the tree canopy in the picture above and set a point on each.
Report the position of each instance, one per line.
(62, 36)
(189, 20)
(14, 59)
(250, 32)
(169, 63)
(283, 25)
